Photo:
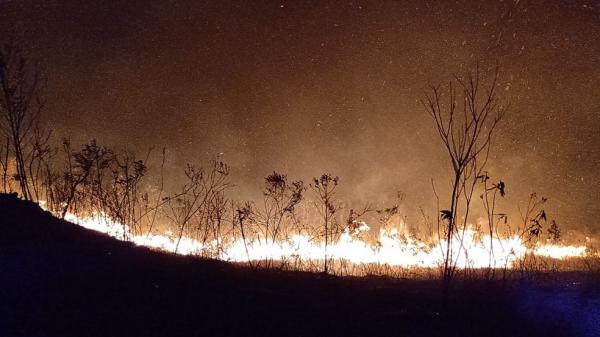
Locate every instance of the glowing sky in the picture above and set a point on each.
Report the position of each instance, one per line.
(312, 86)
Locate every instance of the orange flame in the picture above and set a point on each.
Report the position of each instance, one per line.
(391, 249)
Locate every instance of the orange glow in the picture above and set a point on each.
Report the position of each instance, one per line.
(392, 248)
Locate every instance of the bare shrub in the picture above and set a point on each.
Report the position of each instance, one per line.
(19, 109)
(465, 122)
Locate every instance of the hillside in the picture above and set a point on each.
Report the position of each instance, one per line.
(58, 279)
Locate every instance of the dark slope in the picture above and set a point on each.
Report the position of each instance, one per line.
(58, 279)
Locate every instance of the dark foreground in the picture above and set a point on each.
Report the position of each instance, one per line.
(57, 279)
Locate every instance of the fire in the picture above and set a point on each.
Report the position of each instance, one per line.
(391, 247)
(560, 252)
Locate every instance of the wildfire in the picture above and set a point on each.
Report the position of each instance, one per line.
(560, 252)
(391, 247)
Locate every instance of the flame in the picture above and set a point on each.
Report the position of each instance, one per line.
(560, 252)
(391, 247)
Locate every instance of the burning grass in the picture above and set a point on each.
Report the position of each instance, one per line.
(64, 280)
(392, 254)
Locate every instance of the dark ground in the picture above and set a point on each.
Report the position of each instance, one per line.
(58, 279)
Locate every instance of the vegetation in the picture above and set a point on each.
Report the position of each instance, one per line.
(465, 123)
(93, 180)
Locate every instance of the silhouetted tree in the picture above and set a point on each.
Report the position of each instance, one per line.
(465, 122)
(18, 85)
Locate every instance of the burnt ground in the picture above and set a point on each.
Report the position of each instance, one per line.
(58, 279)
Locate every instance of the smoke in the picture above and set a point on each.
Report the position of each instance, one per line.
(307, 89)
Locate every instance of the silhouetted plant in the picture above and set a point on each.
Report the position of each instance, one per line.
(465, 124)
(554, 231)
(353, 221)
(198, 199)
(18, 94)
(385, 214)
(324, 188)
(534, 220)
(39, 158)
(84, 173)
(493, 218)
(82, 179)
(159, 196)
(243, 214)
(4, 152)
(119, 197)
(276, 215)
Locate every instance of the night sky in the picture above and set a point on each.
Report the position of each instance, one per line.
(305, 87)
